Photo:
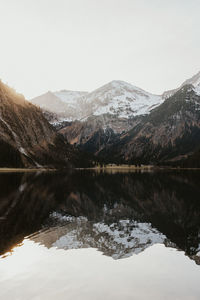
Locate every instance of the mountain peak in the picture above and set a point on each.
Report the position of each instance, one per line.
(7, 92)
(118, 82)
(194, 80)
(123, 84)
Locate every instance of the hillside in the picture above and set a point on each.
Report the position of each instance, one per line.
(27, 139)
(169, 133)
(127, 124)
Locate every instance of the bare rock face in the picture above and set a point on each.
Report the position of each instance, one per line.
(27, 139)
(96, 133)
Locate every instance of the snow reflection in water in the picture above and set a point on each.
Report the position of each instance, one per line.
(118, 240)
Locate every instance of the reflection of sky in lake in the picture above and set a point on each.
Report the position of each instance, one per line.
(35, 272)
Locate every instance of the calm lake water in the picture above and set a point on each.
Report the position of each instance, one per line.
(88, 235)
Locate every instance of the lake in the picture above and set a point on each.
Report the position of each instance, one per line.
(100, 235)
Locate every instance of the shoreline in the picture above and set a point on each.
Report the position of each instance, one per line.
(132, 168)
(106, 168)
(10, 170)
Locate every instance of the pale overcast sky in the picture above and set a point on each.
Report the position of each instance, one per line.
(83, 44)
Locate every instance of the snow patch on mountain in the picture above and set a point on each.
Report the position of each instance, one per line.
(194, 80)
(117, 98)
(122, 99)
(197, 90)
(70, 97)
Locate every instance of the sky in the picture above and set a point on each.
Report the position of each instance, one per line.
(83, 44)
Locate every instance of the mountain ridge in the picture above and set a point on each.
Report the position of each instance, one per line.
(171, 132)
(27, 139)
(168, 130)
(117, 98)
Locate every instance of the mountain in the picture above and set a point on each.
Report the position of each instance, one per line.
(62, 105)
(70, 97)
(122, 99)
(117, 98)
(96, 132)
(169, 133)
(97, 116)
(27, 139)
(127, 124)
(194, 80)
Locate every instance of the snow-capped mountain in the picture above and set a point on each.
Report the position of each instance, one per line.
(70, 97)
(66, 105)
(122, 99)
(170, 134)
(194, 80)
(117, 98)
(97, 117)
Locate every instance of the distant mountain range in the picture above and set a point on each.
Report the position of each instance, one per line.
(117, 98)
(117, 123)
(123, 123)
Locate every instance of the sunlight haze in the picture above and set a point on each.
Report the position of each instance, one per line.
(83, 44)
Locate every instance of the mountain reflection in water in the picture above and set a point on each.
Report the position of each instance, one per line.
(119, 214)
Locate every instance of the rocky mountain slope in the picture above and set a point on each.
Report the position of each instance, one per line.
(97, 131)
(27, 139)
(169, 133)
(100, 115)
(127, 124)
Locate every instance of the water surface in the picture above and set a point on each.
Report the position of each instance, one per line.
(88, 235)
